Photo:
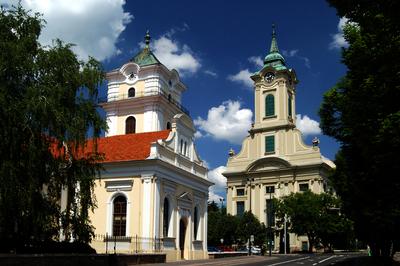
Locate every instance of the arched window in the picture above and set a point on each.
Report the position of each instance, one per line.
(290, 105)
(119, 216)
(130, 125)
(269, 105)
(131, 92)
(166, 217)
(196, 222)
(169, 126)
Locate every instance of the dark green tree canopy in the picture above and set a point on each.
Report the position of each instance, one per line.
(48, 104)
(315, 215)
(363, 113)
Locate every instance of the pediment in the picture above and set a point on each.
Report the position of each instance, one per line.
(268, 164)
(185, 197)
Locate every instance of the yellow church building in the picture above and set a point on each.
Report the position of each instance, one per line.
(153, 189)
(274, 161)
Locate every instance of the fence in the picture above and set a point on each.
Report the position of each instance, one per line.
(127, 244)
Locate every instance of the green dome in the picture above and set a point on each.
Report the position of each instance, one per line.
(274, 58)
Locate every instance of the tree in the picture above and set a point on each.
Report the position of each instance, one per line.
(48, 102)
(220, 226)
(313, 215)
(249, 225)
(362, 112)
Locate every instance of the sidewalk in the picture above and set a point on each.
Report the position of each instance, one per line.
(229, 261)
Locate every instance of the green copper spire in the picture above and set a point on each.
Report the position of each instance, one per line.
(274, 58)
(147, 39)
(146, 56)
(274, 43)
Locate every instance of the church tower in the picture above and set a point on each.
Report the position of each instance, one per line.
(274, 161)
(274, 96)
(143, 95)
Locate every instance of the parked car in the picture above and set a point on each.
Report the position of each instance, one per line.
(255, 250)
(225, 248)
(213, 249)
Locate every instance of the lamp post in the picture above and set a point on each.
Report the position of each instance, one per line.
(270, 190)
(249, 180)
(222, 202)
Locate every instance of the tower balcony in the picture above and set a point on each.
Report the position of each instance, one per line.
(126, 97)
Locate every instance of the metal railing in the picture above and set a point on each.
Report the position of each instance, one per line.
(124, 96)
(134, 244)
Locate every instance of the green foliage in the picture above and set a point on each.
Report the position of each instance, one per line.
(362, 112)
(249, 225)
(233, 229)
(220, 226)
(48, 101)
(314, 215)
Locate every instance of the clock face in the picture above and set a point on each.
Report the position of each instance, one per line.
(269, 77)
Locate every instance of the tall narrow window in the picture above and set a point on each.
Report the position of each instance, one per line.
(119, 216)
(196, 222)
(166, 217)
(290, 105)
(270, 213)
(269, 144)
(169, 126)
(239, 208)
(181, 146)
(130, 125)
(269, 105)
(131, 92)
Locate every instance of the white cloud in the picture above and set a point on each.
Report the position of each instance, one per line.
(256, 60)
(92, 25)
(307, 126)
(175, 56)
(242, 77)
(338, 40)
(295, 53)
(211, 73)
(198, 134)
(216, 191)
(226, 122)
(290, 53)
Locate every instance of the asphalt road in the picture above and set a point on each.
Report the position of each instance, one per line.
(275, 260)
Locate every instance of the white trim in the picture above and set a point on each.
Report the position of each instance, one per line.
(146, 207)
(156, 226)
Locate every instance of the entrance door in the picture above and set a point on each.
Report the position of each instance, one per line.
(182, 234)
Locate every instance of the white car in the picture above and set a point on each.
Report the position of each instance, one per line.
(255, 250)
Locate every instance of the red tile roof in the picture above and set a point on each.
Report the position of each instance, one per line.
(129, 147)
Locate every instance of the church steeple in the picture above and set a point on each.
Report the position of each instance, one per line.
(146, 57)
(147, 40)
(274, 58)
(274, 43)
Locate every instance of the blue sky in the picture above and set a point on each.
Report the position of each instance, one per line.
(214, 45)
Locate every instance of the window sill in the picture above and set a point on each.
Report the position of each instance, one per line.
(168, 238)
(269, 117)
(269, 153)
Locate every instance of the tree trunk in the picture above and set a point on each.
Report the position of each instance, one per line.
(310, 243)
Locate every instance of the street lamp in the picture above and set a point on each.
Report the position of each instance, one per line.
(249, 180)
(222, 202)
(270, 190)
